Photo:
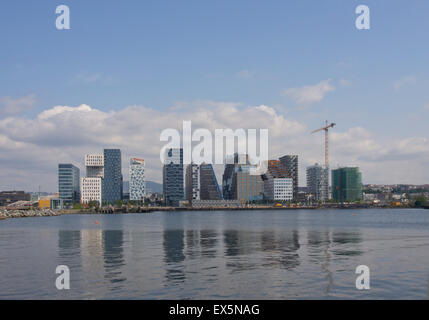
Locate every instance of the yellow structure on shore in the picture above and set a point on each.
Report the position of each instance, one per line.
(45, 204)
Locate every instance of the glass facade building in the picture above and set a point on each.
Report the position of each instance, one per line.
(238, 183)
(112, 182)
(172, 177)
(68, 183)
(347, 184)
(209, 189)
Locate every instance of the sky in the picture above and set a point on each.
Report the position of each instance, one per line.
(126, 70)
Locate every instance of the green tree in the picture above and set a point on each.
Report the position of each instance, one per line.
(420, 202)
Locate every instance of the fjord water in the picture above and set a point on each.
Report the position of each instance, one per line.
(271, 254)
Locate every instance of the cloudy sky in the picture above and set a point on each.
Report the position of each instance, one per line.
(127, 70)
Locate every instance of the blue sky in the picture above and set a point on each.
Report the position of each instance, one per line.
(160, 53)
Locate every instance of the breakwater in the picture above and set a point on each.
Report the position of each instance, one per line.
(28, 213)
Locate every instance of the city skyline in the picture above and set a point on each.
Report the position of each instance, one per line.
(221, 65)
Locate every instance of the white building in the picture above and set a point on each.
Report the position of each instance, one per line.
(278, 189)
(278, 186)
(94, 164)
(91, 190)
(137, 179)
(91, 186)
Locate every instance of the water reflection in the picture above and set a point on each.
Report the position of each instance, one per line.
(346, 243)
(319, 244)
(193, 244)
(174, 245)
(69, 247)
(113, 256)
(242, 250)
(195, 256)
(209, 242)
(281, 249)
(68, 243)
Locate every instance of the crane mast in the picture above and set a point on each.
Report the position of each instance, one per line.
(326, 129)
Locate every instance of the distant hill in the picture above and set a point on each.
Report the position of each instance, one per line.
(154, 186)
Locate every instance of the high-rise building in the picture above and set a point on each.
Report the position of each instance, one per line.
(112, 182)
(68, 183)
(201, 183)
(278, 186)
(290, 163)
(238, 183)
(347, 184)
(192, 182)
(91, 185)
(172, 177)
(137, 179)
(209, 189)
(318, 182)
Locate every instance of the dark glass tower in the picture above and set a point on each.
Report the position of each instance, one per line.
(209, 188)
(172, 179)
(68, 183)
(112, 182)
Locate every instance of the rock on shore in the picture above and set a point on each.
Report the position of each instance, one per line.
(26, 213)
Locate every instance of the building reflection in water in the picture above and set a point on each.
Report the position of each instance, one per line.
(319, 243)
(279, 249)
(69, 246)
(174, 256)
(113, 256)
(323, 247)
(201, 243)
(347, 244)
(208, 243)
(193, 248)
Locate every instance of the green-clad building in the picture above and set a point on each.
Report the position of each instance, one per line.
(347, 184)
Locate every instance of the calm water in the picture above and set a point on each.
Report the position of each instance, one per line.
(218, 255)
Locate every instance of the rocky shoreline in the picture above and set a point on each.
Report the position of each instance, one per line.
(5, 214)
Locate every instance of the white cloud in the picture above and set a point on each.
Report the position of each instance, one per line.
(65, 134)
(245, 74)
(310, 94)
(11, 106)
(404, 82)
(32, 148)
